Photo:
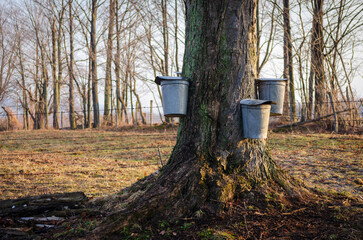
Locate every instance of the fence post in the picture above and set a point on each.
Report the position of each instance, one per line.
(335, 115)
(151, 113)
(61, 120)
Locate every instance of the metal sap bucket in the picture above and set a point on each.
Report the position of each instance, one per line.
(255, 117)
(175, 95)
(272, 89)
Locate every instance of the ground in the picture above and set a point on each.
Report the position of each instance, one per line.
(102, 162)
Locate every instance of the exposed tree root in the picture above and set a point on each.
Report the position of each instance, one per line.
(197, 188)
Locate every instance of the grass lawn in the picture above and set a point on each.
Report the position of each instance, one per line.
(103, 162)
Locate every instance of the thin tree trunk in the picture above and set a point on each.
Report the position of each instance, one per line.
(72, 117)
(128, 75)
(96, 110)
(59, 55)
(139, 104)
(54, 74)
(84, 104)
(165, 32)
(37, 90)
(24, 102)
(89, 90)
(318, 58)
(117, 64)
(107, 105)
(44, 91)
(289, 101)
(176, 37)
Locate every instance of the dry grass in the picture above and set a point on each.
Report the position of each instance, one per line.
(328, 162)
(95, 162)
(103, 162)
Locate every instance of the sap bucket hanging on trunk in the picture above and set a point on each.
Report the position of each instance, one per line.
(255, 117)
(272, 89)
(175, 95)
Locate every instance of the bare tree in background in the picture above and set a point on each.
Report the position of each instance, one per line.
(317, 58)
(72, 120)
(289, 102)
(266, 13)
(120, 18)
(108, 82)
(7, 55)
(19, 33)
(93, 56)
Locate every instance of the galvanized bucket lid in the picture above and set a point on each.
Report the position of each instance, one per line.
(255, 102)
(158, 79)
(271, 79)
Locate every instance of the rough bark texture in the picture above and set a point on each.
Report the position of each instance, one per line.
(54, 75)
(72, 116)
(317, 55)
(108, 83)
(289, 103)
(93, 54)
(211, 163)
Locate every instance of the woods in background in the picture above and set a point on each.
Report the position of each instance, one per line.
(68, 54)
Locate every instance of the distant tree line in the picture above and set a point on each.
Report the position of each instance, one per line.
(61, 54)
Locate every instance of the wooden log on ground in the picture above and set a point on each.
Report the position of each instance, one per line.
(35, 205)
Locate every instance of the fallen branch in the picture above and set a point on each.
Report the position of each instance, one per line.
(295, 211)
(29, 206)
(313, 120)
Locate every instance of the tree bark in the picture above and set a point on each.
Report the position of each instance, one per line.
(96, 110)
(107, 103)
(72, 117)
(117, 64)
(317, 53)
(54, 74)
(176, 36)
(289, 102)
(211, 164)
(60, 62)
(165, 31)
(89, 92)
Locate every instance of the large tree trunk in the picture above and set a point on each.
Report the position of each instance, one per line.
(211, 163)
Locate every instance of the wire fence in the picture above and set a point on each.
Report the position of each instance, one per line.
(152, 114)
(135, 116)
